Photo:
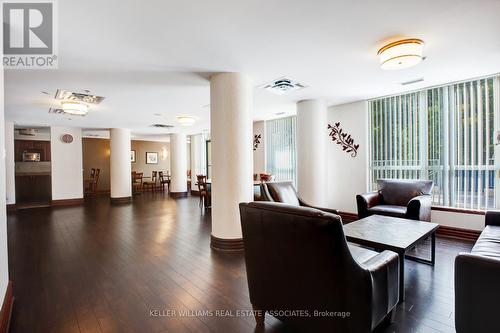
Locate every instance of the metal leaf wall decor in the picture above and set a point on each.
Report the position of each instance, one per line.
(343, 139)
(256, 141)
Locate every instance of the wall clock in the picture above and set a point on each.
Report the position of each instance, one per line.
(67, 138)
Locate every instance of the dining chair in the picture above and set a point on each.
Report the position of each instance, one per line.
(96, 180)
(137, 182)
(204, 190)
(164, 180)
(151, 183)
(92, 173)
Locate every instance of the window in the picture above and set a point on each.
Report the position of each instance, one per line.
(445, 134)
(208, 150)
(280, 148)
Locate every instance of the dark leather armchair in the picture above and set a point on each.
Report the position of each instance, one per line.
(410, 199)
(284, 192)
(477, 281)
(299, 264)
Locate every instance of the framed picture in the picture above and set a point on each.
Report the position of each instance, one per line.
(151, 158)
(132, 156)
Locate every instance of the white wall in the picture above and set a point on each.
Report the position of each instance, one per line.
(10, 165)
(66, 161)
(348, 176)
(4, 261)
(259, 155)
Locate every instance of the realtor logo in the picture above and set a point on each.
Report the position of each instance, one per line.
(29, 35)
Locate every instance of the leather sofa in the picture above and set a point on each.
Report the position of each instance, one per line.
(301, 270)
(410, 199)
(477, 282)
(284, 192)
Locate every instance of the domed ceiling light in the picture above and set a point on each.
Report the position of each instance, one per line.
(401, 54)
(186, 120)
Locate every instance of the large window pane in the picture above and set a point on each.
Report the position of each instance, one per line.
(280, 148)
(445, 134)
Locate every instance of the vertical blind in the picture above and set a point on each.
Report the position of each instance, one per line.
(444, 134)
(280, 148)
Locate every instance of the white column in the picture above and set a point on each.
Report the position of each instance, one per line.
(311, 151)
(196, 159)
(232, 160)
(4, 262)
(10, 165)
(120, 165)
(178, 161)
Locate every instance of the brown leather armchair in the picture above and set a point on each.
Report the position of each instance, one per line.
(410, 199)
(477, 276)
(284, 192)
(300, 269)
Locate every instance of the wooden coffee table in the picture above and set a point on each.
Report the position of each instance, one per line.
(395, 234)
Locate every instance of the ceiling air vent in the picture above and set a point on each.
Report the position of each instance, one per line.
(412, 81)
(162, 126)
(283, 86)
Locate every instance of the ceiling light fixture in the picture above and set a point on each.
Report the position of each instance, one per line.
(75, 108)
(401, 54)
(186, 120)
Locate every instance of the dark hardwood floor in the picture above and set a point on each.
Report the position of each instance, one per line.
(107, 268)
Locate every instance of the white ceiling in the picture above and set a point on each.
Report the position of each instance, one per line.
(156, 56)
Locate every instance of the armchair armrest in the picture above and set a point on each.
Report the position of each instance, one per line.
(384, 271)
(476, 293)
(492, 217)
(365, 201)
(326, 210)
(419, 208)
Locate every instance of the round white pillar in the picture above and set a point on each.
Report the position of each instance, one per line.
(311, 151)
(10, 167)
(232, 160)
(120, 167)
(178, 164)
(196, 161)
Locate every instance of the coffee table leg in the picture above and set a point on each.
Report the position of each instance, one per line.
(401, 277)
(433, 248)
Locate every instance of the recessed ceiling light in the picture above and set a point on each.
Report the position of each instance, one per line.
(401, 54)
(157, 114)
(279, 113)
(186, 120)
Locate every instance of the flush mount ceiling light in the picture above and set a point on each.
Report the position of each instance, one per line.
(186, 120)
(401, 54)
(75, 108)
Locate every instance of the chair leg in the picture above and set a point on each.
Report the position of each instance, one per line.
(259, 314)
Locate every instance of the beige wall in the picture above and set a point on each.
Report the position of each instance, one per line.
(141, 147)
(96, 155)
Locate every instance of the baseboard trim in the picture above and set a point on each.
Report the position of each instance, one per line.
(6, 312)
(176, 195)
(458, 233)
(121, 200)
(195, 193)
(68, 202)
(11, 207)
(221, 244)
(348, 217)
